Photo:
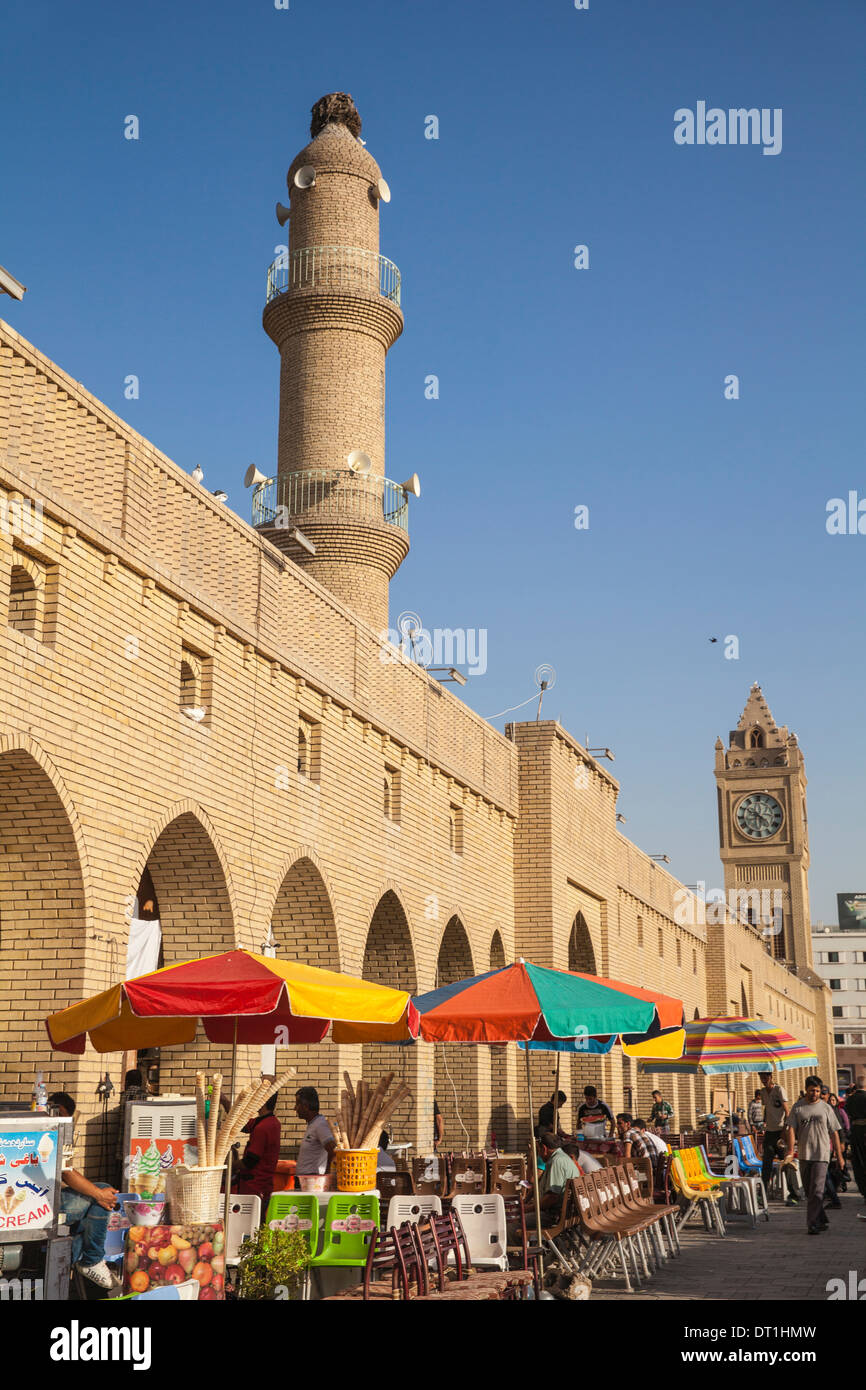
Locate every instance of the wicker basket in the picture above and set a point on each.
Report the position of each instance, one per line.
(356, 1169)
(194, 1195)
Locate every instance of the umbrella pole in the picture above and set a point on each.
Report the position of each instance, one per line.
(228, 1199)
(556, 1098)
(534, 1156)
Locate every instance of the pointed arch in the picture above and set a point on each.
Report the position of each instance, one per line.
(168, 817)
(304, 928)
(497, 951)
(190, 879)
(389, 959)
(581, 952)
(456, 1065)
(43, 911)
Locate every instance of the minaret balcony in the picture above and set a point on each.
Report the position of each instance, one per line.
(335, 268)
(314, 494)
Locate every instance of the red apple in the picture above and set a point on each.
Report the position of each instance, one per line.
(205, 1250)
(217, 1283)
(208, 1294)
(154, 1272)
(173, 1274)
(203, 1273)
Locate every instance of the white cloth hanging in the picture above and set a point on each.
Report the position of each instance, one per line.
(142, 952)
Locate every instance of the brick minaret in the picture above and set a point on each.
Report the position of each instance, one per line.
(333, 311)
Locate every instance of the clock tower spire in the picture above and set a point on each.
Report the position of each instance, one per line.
(763, 830)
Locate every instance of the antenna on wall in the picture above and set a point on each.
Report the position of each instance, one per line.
(545, 679)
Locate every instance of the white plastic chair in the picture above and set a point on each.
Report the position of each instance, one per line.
(411, 1208)
(483, 1218)
(245, 1217)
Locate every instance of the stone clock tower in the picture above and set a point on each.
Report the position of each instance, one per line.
(763, 832)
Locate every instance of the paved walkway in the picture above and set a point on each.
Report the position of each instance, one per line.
(778, 1260)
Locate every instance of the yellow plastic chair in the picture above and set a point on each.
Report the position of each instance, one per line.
(705, 1200)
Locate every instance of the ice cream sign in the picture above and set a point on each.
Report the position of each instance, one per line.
(28, 1161)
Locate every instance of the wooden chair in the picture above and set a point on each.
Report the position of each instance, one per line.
(393, 1183)
(422, 1180)
(508, 1176)
(468, 1175)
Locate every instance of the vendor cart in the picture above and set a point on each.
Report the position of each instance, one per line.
(35, 1251)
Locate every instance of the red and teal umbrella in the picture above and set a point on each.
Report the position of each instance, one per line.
(550, 1009)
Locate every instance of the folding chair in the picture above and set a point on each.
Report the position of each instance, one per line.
(704, 1200)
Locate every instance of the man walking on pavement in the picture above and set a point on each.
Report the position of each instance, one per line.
(775, 1104)
(816, 1128)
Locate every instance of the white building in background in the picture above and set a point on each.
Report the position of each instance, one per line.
(840, 959)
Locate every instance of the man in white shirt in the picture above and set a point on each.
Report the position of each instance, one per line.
(318, 1144)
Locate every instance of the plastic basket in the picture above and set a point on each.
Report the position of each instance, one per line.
(356, 1169)
(194, 1195)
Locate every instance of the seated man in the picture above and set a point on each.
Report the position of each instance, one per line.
(635, 1141)
(655, 1146)
(558, 1169)
(86, 1206)
(586, 1162)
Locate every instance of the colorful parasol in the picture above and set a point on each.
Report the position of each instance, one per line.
(717, 1046)
(240, 997)
(549, 1009)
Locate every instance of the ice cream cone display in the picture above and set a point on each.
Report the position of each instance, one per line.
(364, 1111)
(149, 1180)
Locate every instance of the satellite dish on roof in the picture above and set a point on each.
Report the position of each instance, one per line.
(383, 191)
(305, 177)
(359, 462)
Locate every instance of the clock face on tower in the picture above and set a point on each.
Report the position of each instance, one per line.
(759, 816)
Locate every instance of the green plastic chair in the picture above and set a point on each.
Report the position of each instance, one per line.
(349, 1225)
(296, 1211)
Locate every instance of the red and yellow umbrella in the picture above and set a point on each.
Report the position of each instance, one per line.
(240, 997)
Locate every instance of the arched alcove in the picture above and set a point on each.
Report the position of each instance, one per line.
(304, 929)
(389, 959)
(42, 925)
(455, 1066)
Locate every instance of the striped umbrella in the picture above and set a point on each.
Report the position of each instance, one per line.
(719, 1046)
(722, 1046)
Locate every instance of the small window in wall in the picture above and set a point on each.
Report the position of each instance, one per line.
(837, 1011)
(679, 956)
(455, 829)
(838, 1037)
(833, 956)
(661, 944)
(640, 931)
(31, 609)
(391, 794)
(694, 962)
(309, 749)
(835, 984)
(756, 739)
(195, 681)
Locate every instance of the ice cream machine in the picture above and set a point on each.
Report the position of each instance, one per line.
(35, 1251)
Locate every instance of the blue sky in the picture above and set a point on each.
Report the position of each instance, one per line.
(558, 387)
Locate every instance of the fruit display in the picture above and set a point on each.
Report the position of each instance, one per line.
(159, 1255)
